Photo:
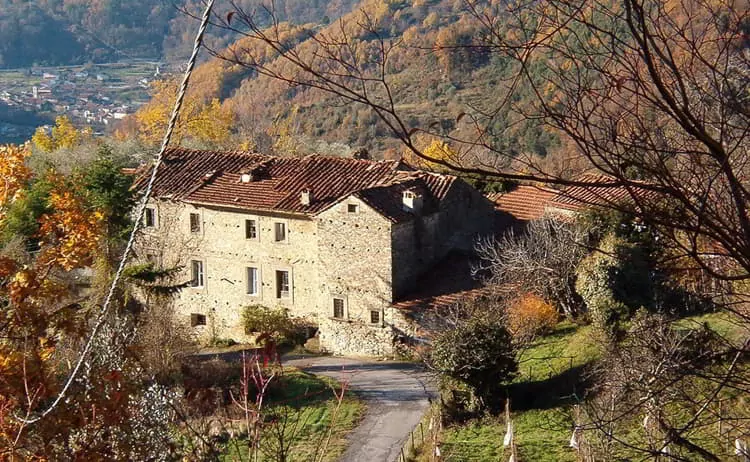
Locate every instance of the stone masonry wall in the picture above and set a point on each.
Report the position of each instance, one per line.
(351, 337)
(355, 264)
(420, 243)
(353, 253)
(226, 254)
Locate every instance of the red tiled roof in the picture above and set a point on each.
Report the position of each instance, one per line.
(214, 178)
(526, 202)
(387, 198)
(576, 198)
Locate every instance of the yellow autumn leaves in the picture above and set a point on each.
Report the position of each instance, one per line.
(13, 174)
(200, 120)
(31, 291)
(71, 234)
(63, 135)
(437, 155)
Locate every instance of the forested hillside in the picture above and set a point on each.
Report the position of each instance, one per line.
(61, 32)
(431, 83)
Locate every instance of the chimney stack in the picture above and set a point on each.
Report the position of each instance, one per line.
(412, 202)
(306, 197)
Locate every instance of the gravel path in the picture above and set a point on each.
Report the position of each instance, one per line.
(396, 395)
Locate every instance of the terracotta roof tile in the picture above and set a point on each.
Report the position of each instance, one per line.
(526, 202)
(214, 178)
(387, 199)
(576, 198)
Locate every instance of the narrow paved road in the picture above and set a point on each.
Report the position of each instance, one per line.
(396, 395)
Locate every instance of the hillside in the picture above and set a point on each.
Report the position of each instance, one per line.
(430, 87)
(66, 32)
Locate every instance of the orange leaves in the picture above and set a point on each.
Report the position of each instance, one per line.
(7, 267)
(70, 235)
(530, 316)
(46, 348)
(37, 306)
(13, 173)
(23, 284)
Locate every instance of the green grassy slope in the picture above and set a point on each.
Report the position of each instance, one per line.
(551, 371)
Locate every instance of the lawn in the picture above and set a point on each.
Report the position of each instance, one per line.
(552, 374)
(299, 415)
(542, 435)
(541, 399)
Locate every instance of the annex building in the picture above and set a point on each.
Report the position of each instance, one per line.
(341, 242)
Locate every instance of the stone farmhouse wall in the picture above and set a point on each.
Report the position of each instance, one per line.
(355, 264)
(226, 254)
(418, 244)
(350, 253)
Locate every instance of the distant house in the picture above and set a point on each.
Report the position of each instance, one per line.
(524, 203)
(344, 243)
(531, 202)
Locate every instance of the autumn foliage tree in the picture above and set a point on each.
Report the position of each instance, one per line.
(529, 316)
(63, 135)
(14, 173)
(201, 119)
(38, 310)
(45, 316)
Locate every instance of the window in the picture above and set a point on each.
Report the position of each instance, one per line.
(197, 319)
(352, 208)
(251, 229)
(282, 284)
(279, 230)
(252, 281)
(338, 308)
(149, 219)
(375, 317)
(195, 223)
(196, 272)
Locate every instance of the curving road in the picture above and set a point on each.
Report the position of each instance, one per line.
(396, 395)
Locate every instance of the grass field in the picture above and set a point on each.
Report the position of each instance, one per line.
(541, 399)
(552, 371)
(300, 410)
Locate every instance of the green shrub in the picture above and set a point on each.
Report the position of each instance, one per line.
(615, 281)
(222, 342)
(258, 319)
(479, 353)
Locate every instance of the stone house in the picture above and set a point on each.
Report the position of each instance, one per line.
(337, 241)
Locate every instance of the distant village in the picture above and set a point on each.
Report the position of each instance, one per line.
(93, 95)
